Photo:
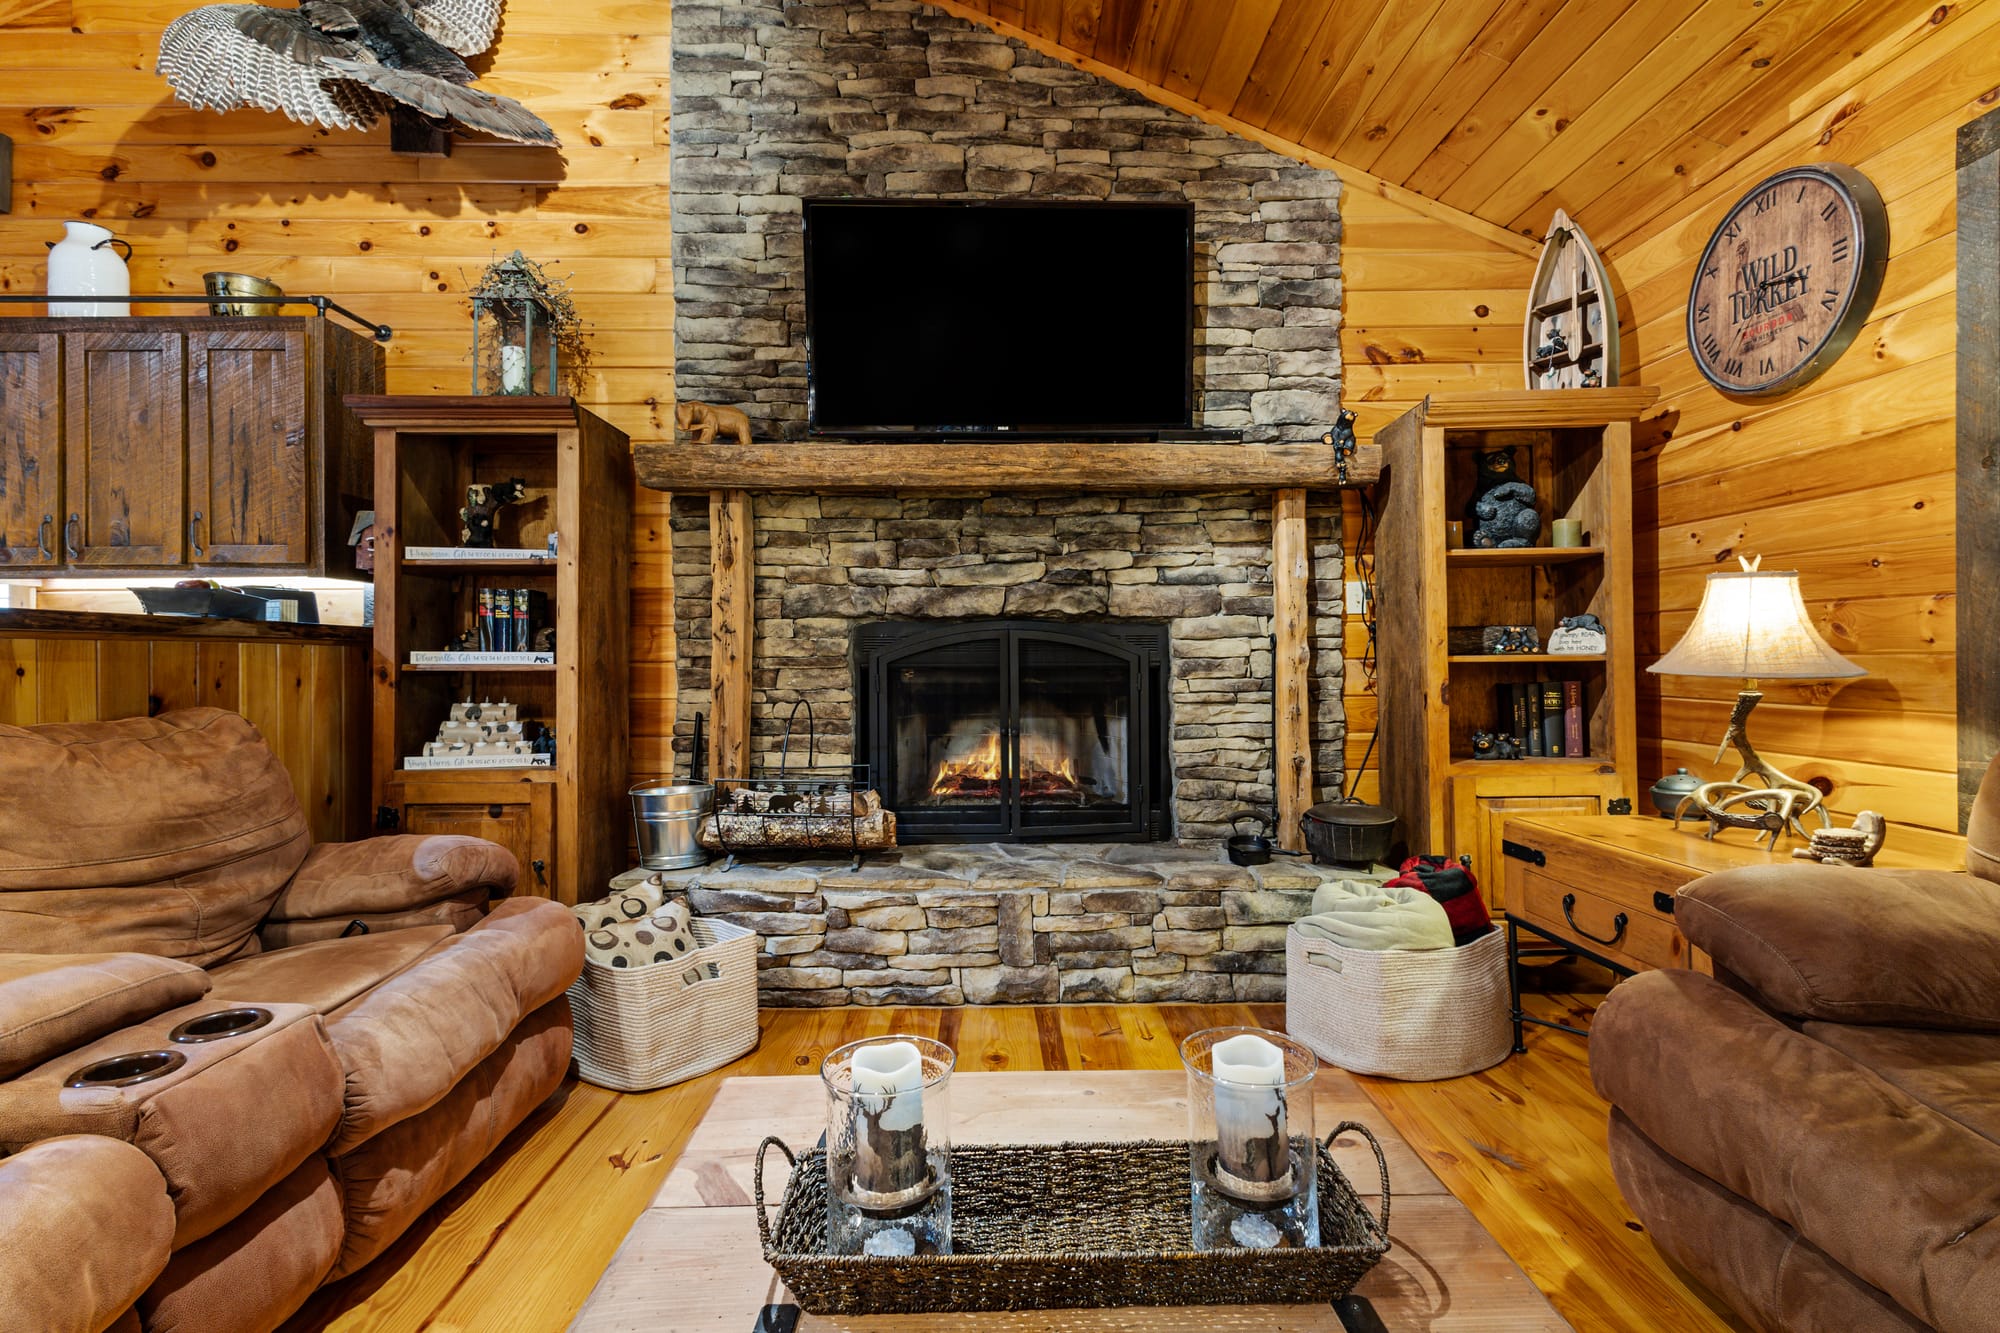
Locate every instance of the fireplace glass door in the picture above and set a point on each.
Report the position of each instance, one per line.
(1014, 729)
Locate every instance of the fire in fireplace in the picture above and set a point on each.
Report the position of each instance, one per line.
(1015, 729)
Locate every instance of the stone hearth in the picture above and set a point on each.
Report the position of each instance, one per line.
(1014, 923)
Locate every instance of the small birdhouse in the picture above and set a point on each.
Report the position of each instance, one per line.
(514, 326)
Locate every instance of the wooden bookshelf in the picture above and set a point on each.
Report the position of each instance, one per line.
(1575, 447)
(567, 824)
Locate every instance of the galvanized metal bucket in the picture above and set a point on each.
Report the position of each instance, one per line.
(667, 814)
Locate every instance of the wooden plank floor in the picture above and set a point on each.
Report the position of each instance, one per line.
(520, 1244)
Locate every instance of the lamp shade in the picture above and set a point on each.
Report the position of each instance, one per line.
(1753, 625)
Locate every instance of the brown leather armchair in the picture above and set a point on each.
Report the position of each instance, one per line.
(327, 1038)
(1814, 1132)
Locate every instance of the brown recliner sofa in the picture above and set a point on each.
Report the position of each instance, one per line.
(156, 872)
(1814, 1132)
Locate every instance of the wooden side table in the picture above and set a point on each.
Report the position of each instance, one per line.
(1603, 886)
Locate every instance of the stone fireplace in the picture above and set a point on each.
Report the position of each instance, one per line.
(1080, 802)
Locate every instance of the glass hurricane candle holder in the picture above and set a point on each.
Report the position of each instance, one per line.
(888, 1146)
(1253, 1167)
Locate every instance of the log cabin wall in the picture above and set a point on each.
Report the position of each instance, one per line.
(98, 135)
(1848, 479)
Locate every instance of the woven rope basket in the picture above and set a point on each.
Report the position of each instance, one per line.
(641, 1028)
(1070, 1225)
(1412, 1014)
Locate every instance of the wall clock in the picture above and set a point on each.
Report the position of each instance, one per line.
(1787, 280)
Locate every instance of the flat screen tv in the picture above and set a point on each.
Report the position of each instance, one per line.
(935, 318)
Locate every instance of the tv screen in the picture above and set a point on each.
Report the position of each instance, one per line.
(938, 317)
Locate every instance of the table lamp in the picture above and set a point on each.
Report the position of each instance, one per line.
(1753, 625)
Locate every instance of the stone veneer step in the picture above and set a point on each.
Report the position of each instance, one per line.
(1000, 923)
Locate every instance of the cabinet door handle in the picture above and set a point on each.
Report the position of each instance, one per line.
(194, 535)
(541, 867)
(69, 536)
(42, 534)
(1618, 923)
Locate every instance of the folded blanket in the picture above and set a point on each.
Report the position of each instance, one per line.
(1356, 914)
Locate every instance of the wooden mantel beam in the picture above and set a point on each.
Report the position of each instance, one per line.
(1005, 465)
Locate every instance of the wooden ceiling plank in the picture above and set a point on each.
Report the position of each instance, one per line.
(1079, 24)
(1581, 83)
(1447, 48)
(1561, 41)
(1715, 26)
(1943, 80)
(1154, 42)
(1249, 28)
(1201, 34)
(1490, 57)
(1043, 16)
(1874, 36)
(1741, 65)
(1339, 102)
(1009, 11)
(1297, 31)
(1118, 27)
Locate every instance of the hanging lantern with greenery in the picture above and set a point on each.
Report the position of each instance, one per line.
(526, 334)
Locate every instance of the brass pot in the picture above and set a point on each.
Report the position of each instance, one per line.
(240, 284)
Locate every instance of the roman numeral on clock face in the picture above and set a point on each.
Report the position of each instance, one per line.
(1802, 342)
(1732, 367)
(1711, 348)
(1767, 201)
(1840, 249)
(1766, 366)
(1830, 299)
(1701, 313)
(1832, 207)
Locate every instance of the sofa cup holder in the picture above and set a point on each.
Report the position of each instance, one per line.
(222, 1023)
(122, 1071)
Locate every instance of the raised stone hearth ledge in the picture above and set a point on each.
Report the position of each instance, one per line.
(1014, 923)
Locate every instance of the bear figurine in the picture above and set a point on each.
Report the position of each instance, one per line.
(1507, 517)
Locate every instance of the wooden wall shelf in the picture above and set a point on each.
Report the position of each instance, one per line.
(1008, 465)
(1494, 558)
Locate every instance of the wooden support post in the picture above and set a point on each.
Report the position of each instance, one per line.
(1978, 452)
(1291, 577)
(732, 557)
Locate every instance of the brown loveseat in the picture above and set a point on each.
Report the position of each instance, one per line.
(1815, 1132)
(159, 870)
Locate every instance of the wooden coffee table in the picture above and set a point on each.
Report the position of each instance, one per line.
(692, 1261)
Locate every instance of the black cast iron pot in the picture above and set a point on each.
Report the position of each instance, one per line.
(1348, 832)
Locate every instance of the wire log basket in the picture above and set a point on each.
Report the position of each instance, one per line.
(1068, 1226)
(808, 809)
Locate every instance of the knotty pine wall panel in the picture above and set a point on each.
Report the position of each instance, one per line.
(310, 701)
(1849, 479)
(398, 239)
(1430, 308)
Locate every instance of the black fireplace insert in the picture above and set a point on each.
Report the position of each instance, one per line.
(1015, 730)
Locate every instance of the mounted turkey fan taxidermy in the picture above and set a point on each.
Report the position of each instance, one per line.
(344, 63)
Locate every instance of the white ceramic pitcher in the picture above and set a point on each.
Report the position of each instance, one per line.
(86, 262)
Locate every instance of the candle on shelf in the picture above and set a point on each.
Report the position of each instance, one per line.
(1566, 532)
(513, 368)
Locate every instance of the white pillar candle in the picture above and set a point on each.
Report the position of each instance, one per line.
(893, 1071)
(513, 368)
(1249, 1106)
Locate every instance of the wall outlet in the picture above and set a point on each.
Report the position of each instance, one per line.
(1357, 599)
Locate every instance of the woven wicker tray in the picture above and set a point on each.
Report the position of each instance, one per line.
(1072, 1225)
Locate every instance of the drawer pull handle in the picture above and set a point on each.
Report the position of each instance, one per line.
(194, 534)
(1663, 903)
(42, 536)
(70, 527)
(1618, 923)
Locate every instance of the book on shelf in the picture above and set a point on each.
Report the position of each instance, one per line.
(458, 657)
(1574, 744)
(474, 554)
(419, 762)
(1554, 741)
(1534, 744)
